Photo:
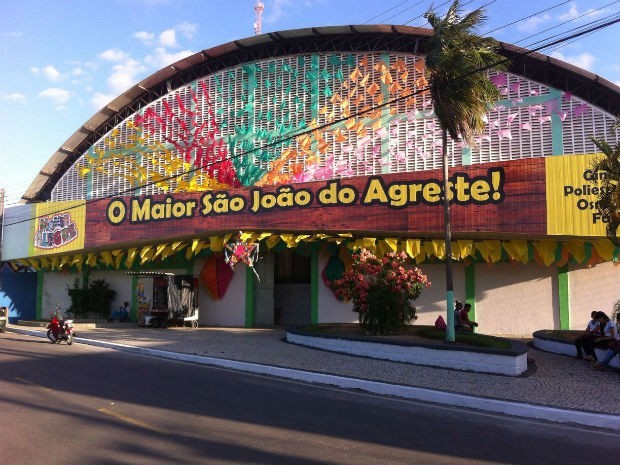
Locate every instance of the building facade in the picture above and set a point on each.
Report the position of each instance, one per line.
(312, 144)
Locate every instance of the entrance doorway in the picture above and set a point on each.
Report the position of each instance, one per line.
(282, 296)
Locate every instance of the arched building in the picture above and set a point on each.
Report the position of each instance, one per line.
(316, 142)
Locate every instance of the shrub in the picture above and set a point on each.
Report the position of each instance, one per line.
(382, 290)
(96, 297)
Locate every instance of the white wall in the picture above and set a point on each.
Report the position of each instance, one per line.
(432, 301)
(430, 304)
(332, 310)
(229, 311)
(55, 291)
(596, 288)
(515, 299)
(118, 281)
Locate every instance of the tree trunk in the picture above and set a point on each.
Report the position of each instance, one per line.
(448, 242)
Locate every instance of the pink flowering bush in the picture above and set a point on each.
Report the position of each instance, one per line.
(382, 290)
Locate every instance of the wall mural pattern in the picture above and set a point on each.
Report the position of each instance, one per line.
(315, 117)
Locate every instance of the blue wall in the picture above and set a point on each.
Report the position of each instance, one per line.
(18, 292)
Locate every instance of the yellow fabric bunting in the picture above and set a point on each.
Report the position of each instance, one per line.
(605, 249)
(145, 254)
(91, 260)
(118, 258)
(546, 251)
(131, 256)
(413, 247)
(517, 250)
(576, 249)
(272, 241)
(106, 258)
(216, 244)
(466, 248)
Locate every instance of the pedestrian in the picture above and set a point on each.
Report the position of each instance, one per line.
(585, 342)
(466, 324)
(612, 331)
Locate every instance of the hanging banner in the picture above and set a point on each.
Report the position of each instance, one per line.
(506, 198)
(572, 191)
(58, 227)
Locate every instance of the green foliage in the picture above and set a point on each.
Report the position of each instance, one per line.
(608, 202)
(96, 297)
(382, 290)
(458, 60)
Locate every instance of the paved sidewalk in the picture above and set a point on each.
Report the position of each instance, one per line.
(555, 387)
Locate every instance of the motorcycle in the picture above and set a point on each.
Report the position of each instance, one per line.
(58, 329)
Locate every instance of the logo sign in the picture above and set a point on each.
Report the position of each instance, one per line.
(55, 231)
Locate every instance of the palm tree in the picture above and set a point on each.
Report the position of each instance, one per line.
(609, 194)
(457, 60)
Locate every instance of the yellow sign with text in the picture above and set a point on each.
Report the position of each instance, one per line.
(572, 193)
(58, 227)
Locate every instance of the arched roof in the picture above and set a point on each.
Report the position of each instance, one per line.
(404, 39)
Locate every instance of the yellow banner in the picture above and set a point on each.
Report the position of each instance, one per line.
(58, 227)
(572, 192)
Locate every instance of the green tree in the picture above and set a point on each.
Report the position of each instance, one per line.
(609, 193)
(457, 60)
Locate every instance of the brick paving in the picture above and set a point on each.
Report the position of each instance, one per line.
(551, 380)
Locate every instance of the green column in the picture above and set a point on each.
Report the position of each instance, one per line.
(563, 297)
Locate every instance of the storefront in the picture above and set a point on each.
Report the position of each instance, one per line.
(314, 154)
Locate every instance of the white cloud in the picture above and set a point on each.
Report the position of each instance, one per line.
(583, 60)
(13, 97)
(124, 75)
(533, 23)
(58, 96)
(49, 72)
(100, 100)
(12, 34)
(277, 9)
(113, 55)
(161, 58)
(574, 13)
(147, 38)
(188, 30)
(168, 38)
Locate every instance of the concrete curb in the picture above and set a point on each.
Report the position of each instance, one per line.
(592, 419)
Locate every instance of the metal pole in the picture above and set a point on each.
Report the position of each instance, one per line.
(450, 337)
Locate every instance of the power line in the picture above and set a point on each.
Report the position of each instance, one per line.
(609, 21)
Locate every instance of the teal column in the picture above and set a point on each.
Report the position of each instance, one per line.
(39, 302)
(249, 299)
(563, 297)
(314, 87)
(557, 143)
(314, 287)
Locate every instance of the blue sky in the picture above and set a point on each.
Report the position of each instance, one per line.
(65, 59)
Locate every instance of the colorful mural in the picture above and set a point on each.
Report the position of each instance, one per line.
(305, 118)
